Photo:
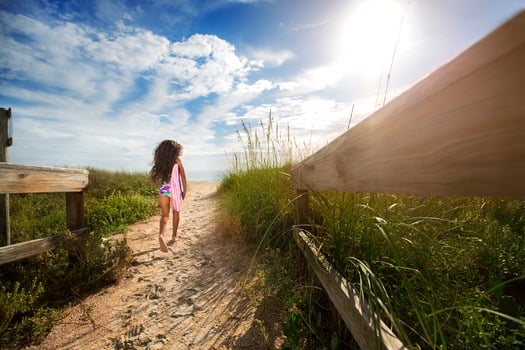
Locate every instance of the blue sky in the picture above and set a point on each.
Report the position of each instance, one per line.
(100, 83)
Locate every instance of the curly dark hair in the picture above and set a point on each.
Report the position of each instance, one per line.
(164, 159)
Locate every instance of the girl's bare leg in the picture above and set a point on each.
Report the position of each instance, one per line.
(164, 217)
(176, 219)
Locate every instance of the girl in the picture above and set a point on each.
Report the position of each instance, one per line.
(168, 172)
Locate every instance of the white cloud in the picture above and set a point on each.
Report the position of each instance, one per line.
(44, 54)
(105, 99)
(269, 57)
(311, 121)
(130, 50)
(114, 94)
(208, 64)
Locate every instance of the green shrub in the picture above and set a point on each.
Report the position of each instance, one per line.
(35, 289)
(103, 183)
(37, 215)
(15, 300)
(22, 317)
(116, 211)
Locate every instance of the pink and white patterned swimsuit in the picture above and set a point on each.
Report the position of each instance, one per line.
(165, 189)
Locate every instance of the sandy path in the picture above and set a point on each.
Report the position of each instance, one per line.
(188, 298)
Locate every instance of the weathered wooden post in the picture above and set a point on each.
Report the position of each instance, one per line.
(5, 141)
(75, 210)
(302, 207)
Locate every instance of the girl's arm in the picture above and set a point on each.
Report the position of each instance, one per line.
(182, 174)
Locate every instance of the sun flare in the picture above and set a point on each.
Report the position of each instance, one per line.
(369, 36)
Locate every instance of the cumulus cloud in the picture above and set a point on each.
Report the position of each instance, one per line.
(128, 82)
(112, 95)
(129, 50)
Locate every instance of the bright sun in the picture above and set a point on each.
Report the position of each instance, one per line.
(369, 36)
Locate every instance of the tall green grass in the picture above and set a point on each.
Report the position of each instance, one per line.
(258, 197)
(257, 189)
(267, 145)
(449, 272)
(33, 290)
(444, 272)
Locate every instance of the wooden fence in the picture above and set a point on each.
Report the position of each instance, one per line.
(459, 131)
(16, 178)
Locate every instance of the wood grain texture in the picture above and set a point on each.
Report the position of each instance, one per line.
(459, 131)
(17, 178)
(347, 301)
(23, 250)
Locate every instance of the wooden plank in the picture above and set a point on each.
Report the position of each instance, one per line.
(23, 250)
(345, 298)
(17, 178)
(459, 131)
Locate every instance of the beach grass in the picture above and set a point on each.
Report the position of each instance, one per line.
(443, 272)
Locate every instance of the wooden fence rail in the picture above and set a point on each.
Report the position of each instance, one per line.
(460, 131)
(17, 178)
(346, 299)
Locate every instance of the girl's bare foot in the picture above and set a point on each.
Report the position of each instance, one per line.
(163, 246)
(172, 241)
